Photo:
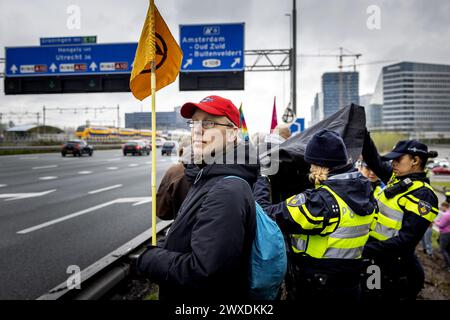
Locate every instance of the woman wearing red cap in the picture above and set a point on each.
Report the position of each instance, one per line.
(407, 206)
(206, 253)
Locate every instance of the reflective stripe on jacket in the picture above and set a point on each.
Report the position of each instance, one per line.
(343, 237)
(391, 210)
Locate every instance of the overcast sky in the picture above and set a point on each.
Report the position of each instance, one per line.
(410, 30)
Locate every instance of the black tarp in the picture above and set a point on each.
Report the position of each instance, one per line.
(291, 176)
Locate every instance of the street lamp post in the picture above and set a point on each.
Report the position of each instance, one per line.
(294, 58)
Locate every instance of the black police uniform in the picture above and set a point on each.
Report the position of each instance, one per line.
(402, 273)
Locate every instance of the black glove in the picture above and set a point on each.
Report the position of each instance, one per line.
(134, 260)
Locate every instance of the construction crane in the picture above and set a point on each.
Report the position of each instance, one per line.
(354, 65)
(341, 57)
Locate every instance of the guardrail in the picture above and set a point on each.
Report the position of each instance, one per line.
(30, 147)
(58, 147)
(15, 150)
(100, 278)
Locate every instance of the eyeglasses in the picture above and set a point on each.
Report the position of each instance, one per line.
(206, 124)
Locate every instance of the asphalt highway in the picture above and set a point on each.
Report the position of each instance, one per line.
(58, 212)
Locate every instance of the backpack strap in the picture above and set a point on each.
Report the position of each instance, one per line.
(236, 177)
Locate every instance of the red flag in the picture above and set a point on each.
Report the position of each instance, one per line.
(274, 116)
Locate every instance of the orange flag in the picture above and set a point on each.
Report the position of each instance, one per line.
(155, 44)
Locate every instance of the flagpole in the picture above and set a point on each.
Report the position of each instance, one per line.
(141, 86)
(153, 91)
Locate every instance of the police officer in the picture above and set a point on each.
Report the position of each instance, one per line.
(407, 206)
(377, 184)
(327, 226)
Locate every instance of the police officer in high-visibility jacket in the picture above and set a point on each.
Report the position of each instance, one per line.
(407, 206)
(327, 226)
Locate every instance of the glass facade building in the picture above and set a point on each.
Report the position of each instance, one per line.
(317, 109)
(332, 84)
(374, 108)
(416, 97)
(165, 120)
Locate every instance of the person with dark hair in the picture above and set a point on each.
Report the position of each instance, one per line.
(326, 227)
(377, 184)
(174, 186)
(172, 191)
(407, 207)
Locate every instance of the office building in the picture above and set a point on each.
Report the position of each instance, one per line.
(165, 120)
(339, 89)
(416, 97)
(374, 107)
(317, 109)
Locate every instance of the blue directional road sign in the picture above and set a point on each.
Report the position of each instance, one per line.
(67, 40)
(85, 59)
(298, 126)
(212, 47)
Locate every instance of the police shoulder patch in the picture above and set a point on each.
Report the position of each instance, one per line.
(424, 207)
(297, 201)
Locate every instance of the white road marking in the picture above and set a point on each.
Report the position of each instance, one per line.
(45, 167)
(17, 196)
(3, 185)
(133, 165)
(105, 189)
(148, 162)
(28, 158)
(84, 172)
(112, 168)
(118, 159)
(149, 199)
(138, 200)
(48, 178)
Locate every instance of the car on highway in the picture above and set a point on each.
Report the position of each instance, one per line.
(169, 147)
(443, 162)
(136, 147)
(160, 142)
(77, 148)
(432, 164)
(441, 170)
(438, 163)
(148, 143)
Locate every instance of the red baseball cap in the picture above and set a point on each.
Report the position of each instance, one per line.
(214, 105)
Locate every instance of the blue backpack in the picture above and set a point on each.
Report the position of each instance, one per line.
(268, 260)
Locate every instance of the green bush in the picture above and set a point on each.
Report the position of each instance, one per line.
(386, 140)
